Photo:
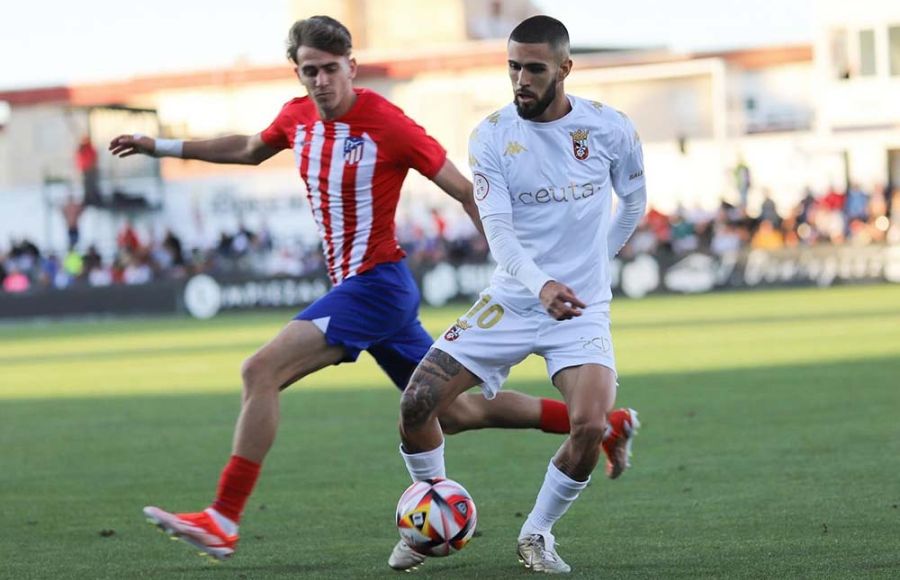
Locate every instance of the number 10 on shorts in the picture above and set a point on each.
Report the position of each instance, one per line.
(489, 316)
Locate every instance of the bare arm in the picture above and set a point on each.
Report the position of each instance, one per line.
(459, 188)
(240, 149)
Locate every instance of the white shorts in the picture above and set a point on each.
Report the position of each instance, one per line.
(491, 338)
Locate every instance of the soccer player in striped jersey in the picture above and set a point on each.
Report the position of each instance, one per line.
(353, 150)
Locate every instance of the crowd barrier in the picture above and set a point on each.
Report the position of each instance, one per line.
(204, 296)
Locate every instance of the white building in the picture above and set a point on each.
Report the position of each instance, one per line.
(815, 115)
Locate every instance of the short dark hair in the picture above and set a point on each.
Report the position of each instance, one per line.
(320, 32)
(542, 29)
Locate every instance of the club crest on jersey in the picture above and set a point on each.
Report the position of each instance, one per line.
(353, 150)
(580, 144)
(454, 331)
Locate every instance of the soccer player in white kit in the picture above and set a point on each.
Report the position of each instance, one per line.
(545, 168)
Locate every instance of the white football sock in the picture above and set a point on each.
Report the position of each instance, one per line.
(426, 465)
(556, 495)
(228, 526)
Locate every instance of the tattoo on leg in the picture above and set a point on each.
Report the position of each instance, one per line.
(443, 361)
(422, 396)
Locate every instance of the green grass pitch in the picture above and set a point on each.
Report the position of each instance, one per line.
(770, 449)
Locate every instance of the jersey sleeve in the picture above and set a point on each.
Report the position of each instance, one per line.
(491, 190)
(275, 135)
(627, 168)
(416, 148)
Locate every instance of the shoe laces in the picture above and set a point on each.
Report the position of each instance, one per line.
(546, 545)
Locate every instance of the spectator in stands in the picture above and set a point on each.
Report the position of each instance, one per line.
(172, 246)
(726, 238)
(72, 210)
(829, 222)
(91, 258)
(684, 237)
(768, 211)
(431, 236)
(742, 181)
(767, 237)
(86, 160)
(856, 205)
(51, 274)
(127, 238)
(73, 264)
(15, 281)
(805, 207)
(659, 224)
(137, 270)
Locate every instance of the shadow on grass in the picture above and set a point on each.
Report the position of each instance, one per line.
(765, 472)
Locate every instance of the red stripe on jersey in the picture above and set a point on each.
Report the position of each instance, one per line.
(304, 163)
(324, 171)
(348, 197)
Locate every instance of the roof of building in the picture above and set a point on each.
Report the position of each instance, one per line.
(381, 65)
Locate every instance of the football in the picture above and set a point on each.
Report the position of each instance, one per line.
(436, 517)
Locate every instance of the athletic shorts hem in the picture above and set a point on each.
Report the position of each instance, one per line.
(563, 365)
(490, 386)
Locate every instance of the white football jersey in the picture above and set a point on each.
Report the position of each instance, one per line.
(556, 180)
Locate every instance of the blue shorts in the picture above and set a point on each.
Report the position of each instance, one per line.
(377, 311)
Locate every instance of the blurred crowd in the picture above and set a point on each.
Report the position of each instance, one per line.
(852, 217)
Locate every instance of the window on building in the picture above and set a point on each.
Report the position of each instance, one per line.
(894, 49)
(840, 59)
(866, 53)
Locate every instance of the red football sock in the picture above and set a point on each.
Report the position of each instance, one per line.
(235, 485)
(554, 416)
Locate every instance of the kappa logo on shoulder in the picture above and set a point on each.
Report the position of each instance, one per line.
(513, 148)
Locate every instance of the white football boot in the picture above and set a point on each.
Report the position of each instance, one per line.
(538, 553)
(404, 558)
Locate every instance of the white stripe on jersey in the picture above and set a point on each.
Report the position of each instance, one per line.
(312, 178)
(335, 199)
(364, 204)
(299, 140)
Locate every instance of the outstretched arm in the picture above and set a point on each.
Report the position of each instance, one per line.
(239, 149)
(459, 188)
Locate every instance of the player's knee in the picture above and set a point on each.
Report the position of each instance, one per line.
(254, 373)
(452, 419)
(465, 413)
(588, 430)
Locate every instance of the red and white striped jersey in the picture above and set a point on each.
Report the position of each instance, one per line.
(353, 168)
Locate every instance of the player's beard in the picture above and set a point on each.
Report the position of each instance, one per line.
(538, 106)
